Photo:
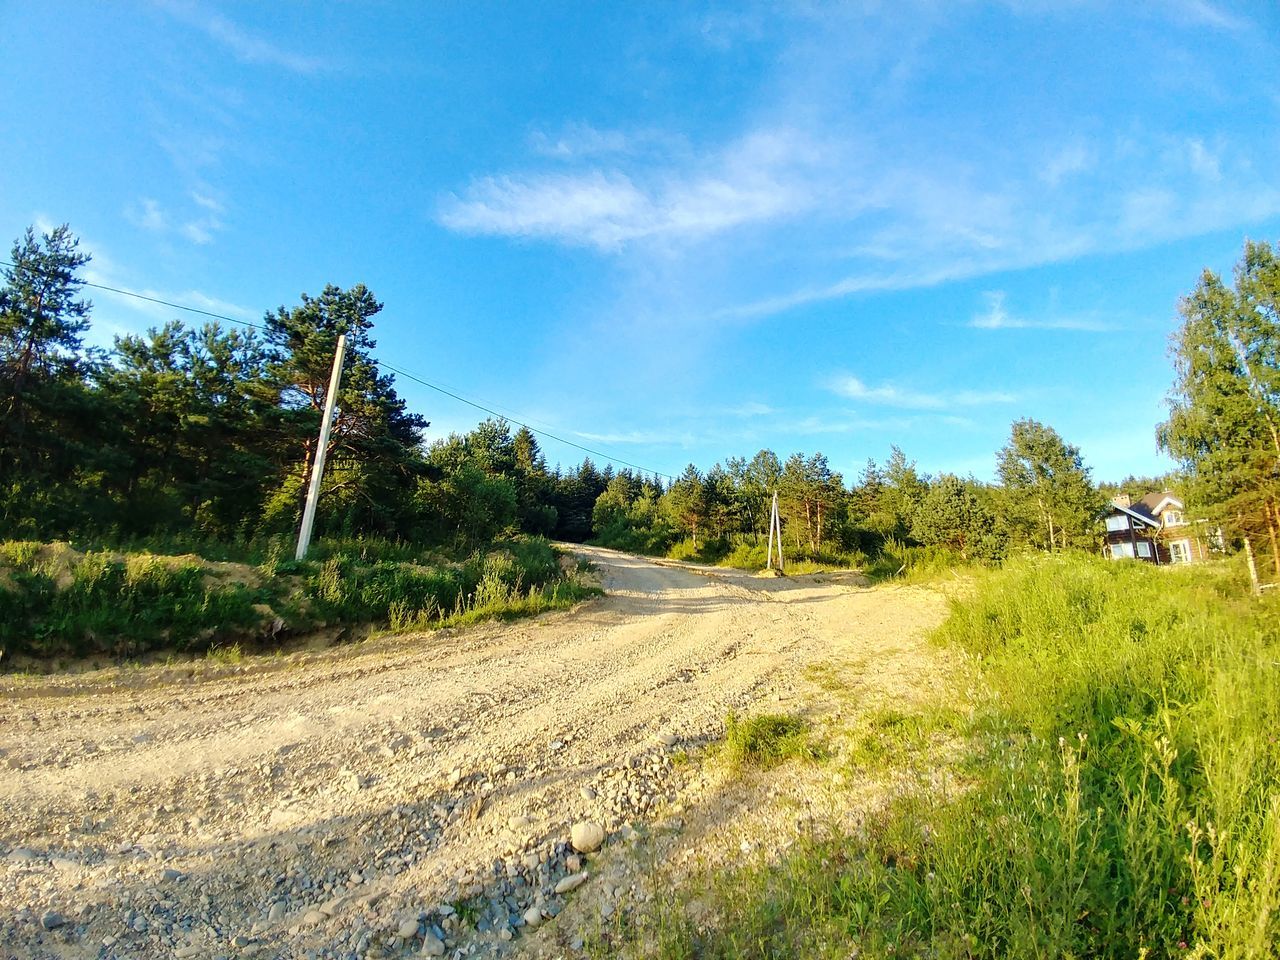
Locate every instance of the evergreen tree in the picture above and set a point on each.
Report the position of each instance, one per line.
(1224, 418)
(373, 459)
(951, 514)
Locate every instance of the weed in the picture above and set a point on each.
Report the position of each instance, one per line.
(766, 740)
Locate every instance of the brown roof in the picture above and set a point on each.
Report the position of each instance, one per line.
(1149, 503)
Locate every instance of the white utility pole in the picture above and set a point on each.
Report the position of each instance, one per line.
(775, 524)
(317, 462)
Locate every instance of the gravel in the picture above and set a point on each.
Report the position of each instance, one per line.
(440, 794)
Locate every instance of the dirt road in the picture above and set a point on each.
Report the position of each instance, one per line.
(413, 793)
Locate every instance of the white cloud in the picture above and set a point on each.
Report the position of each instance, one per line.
(1203, 161)
(996, 317)
(243, 45)
(1066, 162)
(822, 196)
(200, 229)
(654, 438)
(1204, 13)
(756, 179)
(579, 140)
(891, 395)
(148, 215)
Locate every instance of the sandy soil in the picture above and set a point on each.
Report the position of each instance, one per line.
(413, 793)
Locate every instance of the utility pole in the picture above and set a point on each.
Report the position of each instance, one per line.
(317, 462)
(775, 524)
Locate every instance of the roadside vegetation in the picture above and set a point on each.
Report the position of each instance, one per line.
(1119, 790)
(58, 602)
(200, 441)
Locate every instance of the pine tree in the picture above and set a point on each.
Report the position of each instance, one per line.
(1224, 416)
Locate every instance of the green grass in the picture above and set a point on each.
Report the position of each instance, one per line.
(56, 602)
(1121, 794)
(766, 740)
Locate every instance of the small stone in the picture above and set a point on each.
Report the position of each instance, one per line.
(518, 823)
(668, 739)
(22, 855)
(408, 928)
(573, 862)
(533, 916)
(587, 793)
(170, 874)
(571, 883)
(313, 917)
(52, 921)
(431, 945)
(586, 836)
(277, 911)
(331, 908)
(190, 950)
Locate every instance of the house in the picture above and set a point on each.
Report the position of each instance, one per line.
(1154, 528)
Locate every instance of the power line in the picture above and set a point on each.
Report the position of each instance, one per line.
(552, 436)
(386, 366)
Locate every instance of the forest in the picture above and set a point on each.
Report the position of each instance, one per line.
(201, 439)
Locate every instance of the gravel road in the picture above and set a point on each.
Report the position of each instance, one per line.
(403, 794)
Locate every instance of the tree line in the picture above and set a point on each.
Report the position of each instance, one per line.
(209, 433)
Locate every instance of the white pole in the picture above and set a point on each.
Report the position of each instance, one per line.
(317, 463)
(772, 511)
(777, 519)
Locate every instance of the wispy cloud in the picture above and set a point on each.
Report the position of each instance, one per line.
(820, 197)
(244, 45)
(756, 179)
(892, 395)
(996, 317)
(199, 225)
(579, 140)
(650, 438)
(1204, 13)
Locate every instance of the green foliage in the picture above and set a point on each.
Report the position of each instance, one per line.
(1048, 494)
(1120, 799)
(55, 601)
(1224, 417)
(101, 602)
(766, 740)
(952, 515)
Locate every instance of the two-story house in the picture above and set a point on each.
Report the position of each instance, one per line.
(1154, 529)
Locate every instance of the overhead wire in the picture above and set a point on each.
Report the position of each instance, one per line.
(381, 363)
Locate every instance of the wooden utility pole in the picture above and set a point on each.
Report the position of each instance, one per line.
(775, 525)
(317, 462)
(1254, 585)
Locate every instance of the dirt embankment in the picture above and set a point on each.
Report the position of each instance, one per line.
(415, 793)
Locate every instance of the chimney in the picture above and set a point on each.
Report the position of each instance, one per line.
(1122, 500)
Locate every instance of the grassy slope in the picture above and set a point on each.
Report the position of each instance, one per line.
(1124, 802)
(58, 602)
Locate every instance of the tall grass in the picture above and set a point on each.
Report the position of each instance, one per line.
(55, 601)
(1122, 796)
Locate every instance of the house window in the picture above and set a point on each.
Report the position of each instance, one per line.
(1174, 518)
(1119, 550)
(1118, 522)
(1180, 551)
(1144, 549)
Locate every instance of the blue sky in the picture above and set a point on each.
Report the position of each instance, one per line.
(679, 232)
